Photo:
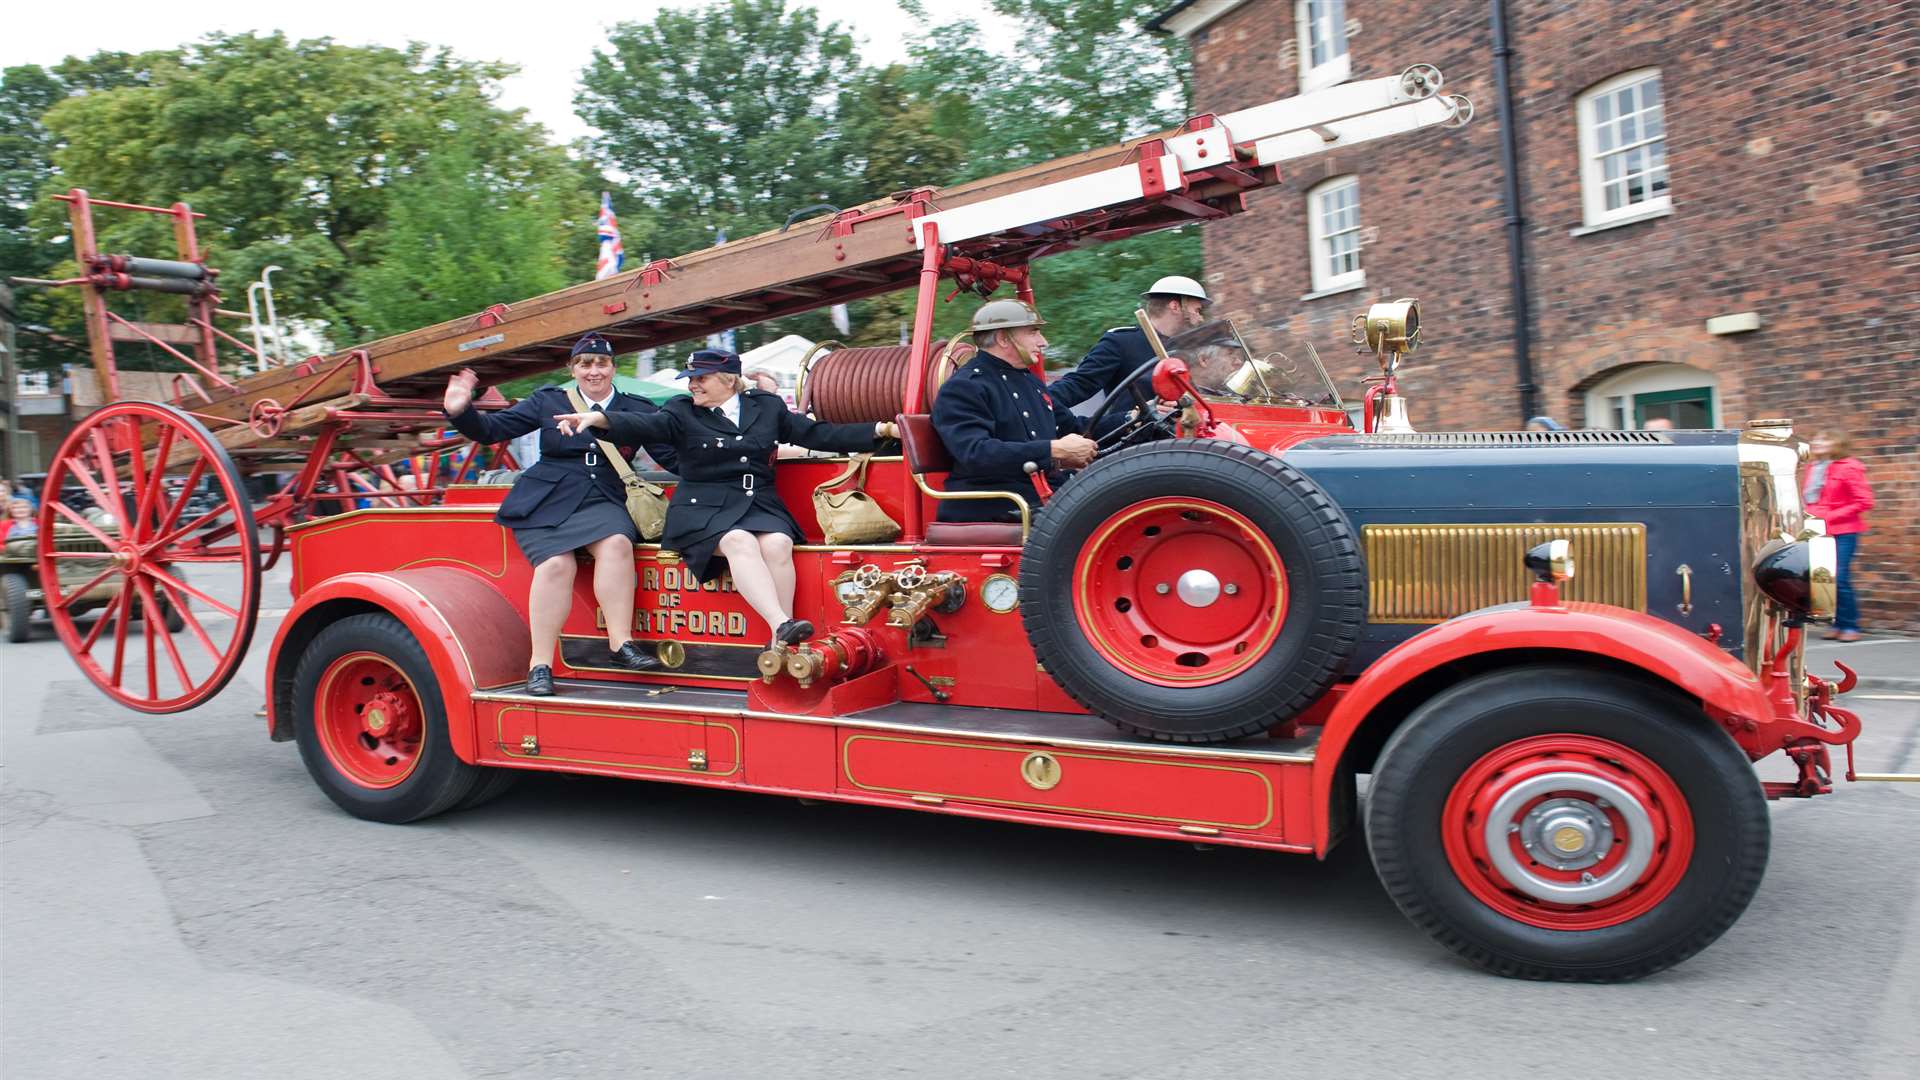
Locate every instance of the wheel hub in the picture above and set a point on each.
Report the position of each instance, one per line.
(1567, 834)
(1198, 588)
(1567, 837)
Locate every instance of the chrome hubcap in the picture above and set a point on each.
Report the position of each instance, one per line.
(1569, 832)
(1198, 588)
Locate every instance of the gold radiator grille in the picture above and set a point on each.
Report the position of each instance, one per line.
(1429, 573)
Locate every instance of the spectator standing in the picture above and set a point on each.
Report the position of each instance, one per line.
(1837, 492)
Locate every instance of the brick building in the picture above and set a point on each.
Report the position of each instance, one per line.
(1686, 170)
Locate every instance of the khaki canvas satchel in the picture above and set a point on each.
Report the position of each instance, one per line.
(646, 503)
(851, 516)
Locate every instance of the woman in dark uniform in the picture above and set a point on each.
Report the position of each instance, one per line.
(571, 500)
(725, 515)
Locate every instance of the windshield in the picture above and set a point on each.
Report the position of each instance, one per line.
(1270, 369)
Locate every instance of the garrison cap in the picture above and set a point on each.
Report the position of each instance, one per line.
(711, 362)
(591, 345)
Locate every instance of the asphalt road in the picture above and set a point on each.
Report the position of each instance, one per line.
(180, 901)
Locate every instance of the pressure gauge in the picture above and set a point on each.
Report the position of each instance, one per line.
(1000, 593)
(849, 591)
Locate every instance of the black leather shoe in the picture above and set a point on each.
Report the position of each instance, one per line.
(631, 657)
(793, 632)
(540, 681)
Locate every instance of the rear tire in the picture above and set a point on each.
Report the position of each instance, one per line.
(494, 782)
(1567, 824)
(18, 607)
(372, 725)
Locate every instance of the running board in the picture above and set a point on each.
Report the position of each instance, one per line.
(1066, 730)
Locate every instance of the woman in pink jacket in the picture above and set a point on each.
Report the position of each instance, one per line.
(1837, 492)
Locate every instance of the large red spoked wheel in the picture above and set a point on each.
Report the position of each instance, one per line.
(372, 725)
(165, 494)
(1565, 823)
(1193, 590)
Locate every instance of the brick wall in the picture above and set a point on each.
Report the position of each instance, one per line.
(1794, 153)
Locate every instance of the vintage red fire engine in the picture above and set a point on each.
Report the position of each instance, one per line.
(1242, 608)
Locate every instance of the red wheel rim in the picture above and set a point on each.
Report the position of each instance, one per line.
(1180, 592)
(368, 719)
(1567, 832)
(142, 463)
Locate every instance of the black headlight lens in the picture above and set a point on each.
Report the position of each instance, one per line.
(1799, 575)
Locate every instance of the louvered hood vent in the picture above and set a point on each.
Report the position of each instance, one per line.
(1510, 438)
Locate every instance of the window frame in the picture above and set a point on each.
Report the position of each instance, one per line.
(1593, 183)
(1336, 70)
(1319, 272)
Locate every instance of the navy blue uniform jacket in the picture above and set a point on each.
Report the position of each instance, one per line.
(549, 492)
(994, 418)
(725, 470)
(1118, 351)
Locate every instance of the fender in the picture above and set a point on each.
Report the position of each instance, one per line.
(1687, 661)
(473, 637)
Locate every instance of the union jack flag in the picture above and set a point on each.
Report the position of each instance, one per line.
(611, 255)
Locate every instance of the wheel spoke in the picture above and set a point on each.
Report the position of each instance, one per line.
(194, 474)
(189, 528)
(156, 620)
(125, 615)
(192, 622)
(93, 635)
(62, 601)
(110, 474)
(151, 489)
(175, 583)
(73, 515)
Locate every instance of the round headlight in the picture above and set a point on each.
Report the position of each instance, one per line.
(1799, 575)
(1551, 561)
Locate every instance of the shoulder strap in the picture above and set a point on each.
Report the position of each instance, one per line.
(857, 465)
(612, 452)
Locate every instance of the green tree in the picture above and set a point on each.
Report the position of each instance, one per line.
(296, 152)
(723, 117)
(1086, 74)
(460, 236)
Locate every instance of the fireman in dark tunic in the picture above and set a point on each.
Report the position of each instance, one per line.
(995, 416)
(1173, 304)
(571, 500)
(725, 514)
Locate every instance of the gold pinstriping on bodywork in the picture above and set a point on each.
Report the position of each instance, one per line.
(1430, 573)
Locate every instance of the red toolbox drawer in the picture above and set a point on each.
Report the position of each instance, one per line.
(1137, 786)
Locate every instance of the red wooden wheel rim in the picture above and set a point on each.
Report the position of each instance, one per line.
(1568, 770)
(139, 462)
(1180, 592)
(368, 720)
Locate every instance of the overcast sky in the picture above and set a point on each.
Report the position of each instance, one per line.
(547, 39)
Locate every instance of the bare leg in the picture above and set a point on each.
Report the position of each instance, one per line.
(547, 605)
(777, 550)
(752, 578)
(613, 584)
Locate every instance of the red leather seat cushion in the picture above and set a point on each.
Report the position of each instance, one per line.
(972, 534)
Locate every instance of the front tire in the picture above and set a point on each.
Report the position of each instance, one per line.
(1567, 824)
(372, 725)
(18, 607)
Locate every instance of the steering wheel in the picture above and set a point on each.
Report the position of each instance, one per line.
(1147, 423)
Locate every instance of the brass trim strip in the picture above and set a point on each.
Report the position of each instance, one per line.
(1027, 739)
(500, 741)
(846, 767)
(1425, 574)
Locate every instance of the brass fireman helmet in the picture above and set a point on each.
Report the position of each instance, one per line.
(1005, 315)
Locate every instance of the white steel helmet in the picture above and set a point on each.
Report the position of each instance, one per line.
(1179, 286)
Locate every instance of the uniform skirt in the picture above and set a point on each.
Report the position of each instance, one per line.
(703, 556)
(597, 518)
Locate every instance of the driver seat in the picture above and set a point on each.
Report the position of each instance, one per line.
(925, 453)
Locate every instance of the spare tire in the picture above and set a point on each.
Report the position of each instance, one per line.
(1193, 590)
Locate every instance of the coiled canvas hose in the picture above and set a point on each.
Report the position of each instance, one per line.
(864, 384)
